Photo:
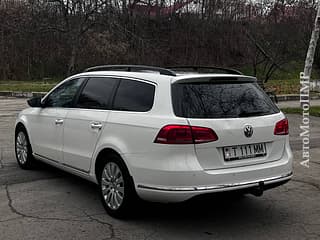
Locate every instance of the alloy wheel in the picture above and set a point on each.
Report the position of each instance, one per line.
(112, 185)
(22, 148)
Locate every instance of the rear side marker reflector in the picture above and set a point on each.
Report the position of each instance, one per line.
(184, 134)
(281, 127)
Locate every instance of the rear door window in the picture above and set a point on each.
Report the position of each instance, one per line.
(220, 100)
(134, 96)
(97, 93)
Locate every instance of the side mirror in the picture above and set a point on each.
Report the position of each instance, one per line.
(35, 102)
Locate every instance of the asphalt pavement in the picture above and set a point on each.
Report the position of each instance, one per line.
(47, 203)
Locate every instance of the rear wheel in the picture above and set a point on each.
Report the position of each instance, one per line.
(116, 187)
(23, 149)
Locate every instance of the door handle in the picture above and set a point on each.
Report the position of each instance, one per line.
(59, 121)
(96, 125)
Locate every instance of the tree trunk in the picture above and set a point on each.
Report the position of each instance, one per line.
(72, 59)
(4, 77)
(312, 45)
(124, 6)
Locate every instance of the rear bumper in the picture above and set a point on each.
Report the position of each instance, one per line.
(177, 186)
(225, 187)
(179, 194)
(175, 178)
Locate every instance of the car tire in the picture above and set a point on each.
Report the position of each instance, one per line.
(116, 187)
(23, 149)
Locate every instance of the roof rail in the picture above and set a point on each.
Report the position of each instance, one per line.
(203, 68)
(131, 68)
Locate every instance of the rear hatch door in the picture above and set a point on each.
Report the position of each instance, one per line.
(240, 113)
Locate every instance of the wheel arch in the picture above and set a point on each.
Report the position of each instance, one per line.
(22, 124)
(22, 121)
(19, 125)
(100, 157)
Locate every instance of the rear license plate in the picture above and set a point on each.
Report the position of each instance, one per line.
(244, 151)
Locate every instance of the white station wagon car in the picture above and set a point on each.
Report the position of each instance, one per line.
(149, 132)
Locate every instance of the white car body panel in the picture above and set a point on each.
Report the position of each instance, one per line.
(163, 173)
(47, 133)
(210, 155)
(80, 136)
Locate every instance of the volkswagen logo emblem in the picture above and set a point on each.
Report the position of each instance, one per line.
(248, 130)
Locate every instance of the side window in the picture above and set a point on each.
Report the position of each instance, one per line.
(134, 96)
(97, 93)
(63, 95)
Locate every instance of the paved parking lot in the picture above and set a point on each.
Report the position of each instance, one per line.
(49, 204)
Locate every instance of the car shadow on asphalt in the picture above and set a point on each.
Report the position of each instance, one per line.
(220, 208)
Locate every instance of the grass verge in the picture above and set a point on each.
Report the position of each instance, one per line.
(314, 111)
(286, 86)
(285, 80)
(27, 86)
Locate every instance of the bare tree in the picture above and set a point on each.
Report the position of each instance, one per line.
(312, 45)
(77, 18)
(41, 38)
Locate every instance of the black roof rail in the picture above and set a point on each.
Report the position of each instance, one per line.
(210, 69)
(131, 68)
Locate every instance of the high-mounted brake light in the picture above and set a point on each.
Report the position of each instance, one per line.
(281, 127)
(184, 134)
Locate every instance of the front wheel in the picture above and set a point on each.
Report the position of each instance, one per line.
(116, 187)
(23, 150)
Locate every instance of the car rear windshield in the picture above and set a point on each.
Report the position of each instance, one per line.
(221, 100)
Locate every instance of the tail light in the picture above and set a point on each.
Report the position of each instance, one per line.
(282, 127)
(184, 134)
(203, 135)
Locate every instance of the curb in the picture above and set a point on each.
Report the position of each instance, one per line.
(293, 97)
(22, 94)
(288, 97)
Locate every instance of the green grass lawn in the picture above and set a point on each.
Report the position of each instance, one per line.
(285, 86)
(26, 86)
(286, 80)
(289, 86)
(290, 70)
(314, 111)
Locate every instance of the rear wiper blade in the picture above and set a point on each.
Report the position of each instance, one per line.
(250, 114)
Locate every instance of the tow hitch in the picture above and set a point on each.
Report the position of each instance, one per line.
(258, 191)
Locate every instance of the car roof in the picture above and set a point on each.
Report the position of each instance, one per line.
(157, 77)
(147, 76)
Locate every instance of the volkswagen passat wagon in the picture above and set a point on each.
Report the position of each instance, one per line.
(158, 134)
